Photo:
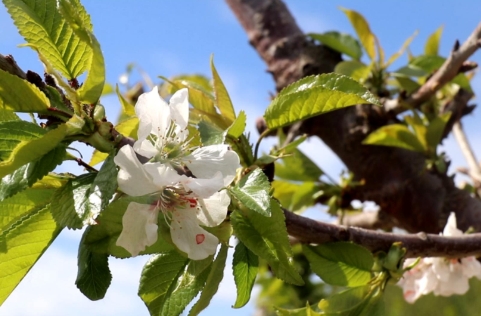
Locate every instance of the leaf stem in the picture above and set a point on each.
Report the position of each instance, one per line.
(264, 134)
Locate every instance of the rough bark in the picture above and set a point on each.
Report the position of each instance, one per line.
(396, 179)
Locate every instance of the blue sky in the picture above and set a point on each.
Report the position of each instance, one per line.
(177, 37)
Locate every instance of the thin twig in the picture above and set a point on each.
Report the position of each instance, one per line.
(85, 165)
(451, 67)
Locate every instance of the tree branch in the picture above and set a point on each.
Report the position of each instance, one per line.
(450, 69)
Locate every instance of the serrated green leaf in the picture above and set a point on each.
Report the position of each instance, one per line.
(238, 126)
(340, 263)
(24, 246)
(212, 283)
(343, 43)
(70, 204)
(12, 133)
(298, 167)
(313, 96)
(253, 191)
(28, 174)
(363, 31)
(74, 13)
(354, 69)
(395, 135)
(42, 26)
(222, 99)
(170, 281)
(432, 44)
(267, 238)
(93, 276)
(102, 237)
(20, 95)
(104, 185)
(31, 149)
(210, 134)
(244, 267)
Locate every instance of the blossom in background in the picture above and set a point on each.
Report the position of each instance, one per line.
(184, 183)
(441, 276)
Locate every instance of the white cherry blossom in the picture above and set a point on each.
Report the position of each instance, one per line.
(185, 183)
(440, 276)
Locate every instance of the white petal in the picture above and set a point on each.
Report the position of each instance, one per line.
(213, 210)
(139, 228)
(162, 175)
(179, 107)
(204, 162)
(132, 177)
(204, 187)
(451, 228)
(189, 237)
(471, 267)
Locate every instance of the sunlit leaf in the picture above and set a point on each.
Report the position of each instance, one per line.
(343, 43)
(298, 167)
(363, 31)
(405, 45)
(436, 128)
(341, 263)
(244, 267)
(222, 99)
(253, 191)
(354, 69)
(396, 135)
(432, 44)
(313, 96)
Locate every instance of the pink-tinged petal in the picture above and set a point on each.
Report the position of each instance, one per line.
(451, 228)
(132, 177)
(189, 237)
(179, 108)
(213, 210)
(139, 228)
(204, 162)
(204, 187)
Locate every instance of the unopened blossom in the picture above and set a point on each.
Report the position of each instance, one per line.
(440, 276)
(184, 183)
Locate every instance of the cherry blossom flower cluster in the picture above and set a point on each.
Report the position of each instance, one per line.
(440, 276)
(185, 183)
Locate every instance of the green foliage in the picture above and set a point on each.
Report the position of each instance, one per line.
(244, 266)
(30, 147)
(212, 283)
(93, 277)
(267, 238)
(222, 99)
(45, 28)
(363, 31)
(298, 167)
(24, 244)
(343, 43)
(313, 96)
(395, 135)
(20, 95)
(354, 69)
(362, 300)
(170, 281)
(432, 44)
(341, 263)
(253, 192)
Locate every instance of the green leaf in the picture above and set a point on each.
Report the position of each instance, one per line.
(8, 115)
(313, 96)
(102, 237)
(20, 95)
(70, 204)
(395, 135)
(77, 18)
(428, 63)
(104, 185)
(170, 281)
(128, 110)
(244, 267)
(93, 277)
(28, 174)
(253, 191)
(420, 130)
(267, 238)
(363, 31)
(343, 43)
(435, 130)
(210, 134)
(407, 84)
(42, 26)
(405, 45)
(340, 263)
(213, 280)
(29, 148)
(298, 167)
(303, 197)
(222, 99)
(354, 69)
(238, 126)
(305, 311)
(349, 302)
(12, 133)
(432, 44)
(25, 244)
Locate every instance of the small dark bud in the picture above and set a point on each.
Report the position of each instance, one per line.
(269, 171)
